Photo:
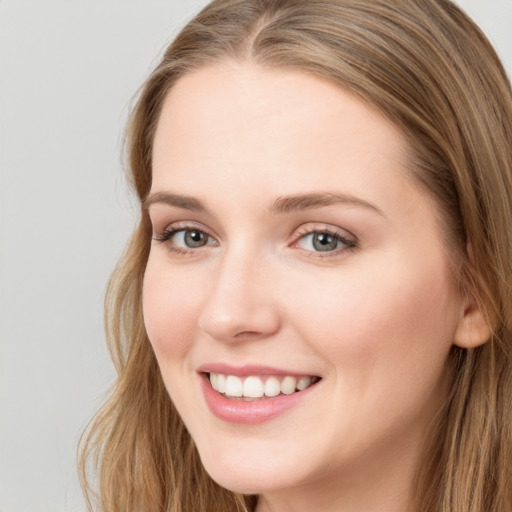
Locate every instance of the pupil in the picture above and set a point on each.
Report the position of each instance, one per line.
(324, 242)
(195, 238)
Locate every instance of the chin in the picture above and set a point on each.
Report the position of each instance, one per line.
(245, 482)
(250, 475)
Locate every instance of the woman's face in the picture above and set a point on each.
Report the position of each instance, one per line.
(292, 250)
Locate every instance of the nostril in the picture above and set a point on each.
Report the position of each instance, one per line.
(247, 334)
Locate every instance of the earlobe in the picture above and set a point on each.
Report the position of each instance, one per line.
(473, 328)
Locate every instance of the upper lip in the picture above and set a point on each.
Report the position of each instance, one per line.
(248, 369)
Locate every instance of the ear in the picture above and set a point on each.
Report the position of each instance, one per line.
(473, 329)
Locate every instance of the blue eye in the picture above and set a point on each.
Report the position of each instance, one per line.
(185, 238)
(190, 238)
(324, 241)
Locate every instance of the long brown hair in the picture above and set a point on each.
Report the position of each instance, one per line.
(433, 73)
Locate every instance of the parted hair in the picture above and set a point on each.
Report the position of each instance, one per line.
(430, 70)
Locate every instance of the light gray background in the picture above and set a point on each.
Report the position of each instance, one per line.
(68, 70)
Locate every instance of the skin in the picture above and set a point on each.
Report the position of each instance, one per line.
(376, 321)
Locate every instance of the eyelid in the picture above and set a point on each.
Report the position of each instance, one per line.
(165, 235)
(182, 225)
(349, 240)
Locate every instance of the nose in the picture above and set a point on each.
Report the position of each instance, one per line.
(240, 305)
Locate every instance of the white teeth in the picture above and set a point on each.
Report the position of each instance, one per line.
(257, 387)
(214, 377)
(272, 387)
(288, 385)
(303, 383)
(233, 386)
(221, 383)
(253, 387)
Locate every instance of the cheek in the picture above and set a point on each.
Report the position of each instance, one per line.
(377, 321)
(170, 309)
(387, 339)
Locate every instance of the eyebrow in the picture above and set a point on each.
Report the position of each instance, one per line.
(286, 204)
(282, 205)
(184, 202)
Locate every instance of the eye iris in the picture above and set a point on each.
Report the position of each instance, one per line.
(195, 238)
(324, 242)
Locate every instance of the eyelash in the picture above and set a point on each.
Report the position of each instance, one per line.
(166, 236)
(347, 243)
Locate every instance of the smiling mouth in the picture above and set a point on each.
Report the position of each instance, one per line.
(252, 388)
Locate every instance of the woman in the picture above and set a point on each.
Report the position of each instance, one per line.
(315, 310)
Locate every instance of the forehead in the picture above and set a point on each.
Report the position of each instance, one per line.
(245, 123)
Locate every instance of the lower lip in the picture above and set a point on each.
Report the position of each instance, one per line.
(249, 413)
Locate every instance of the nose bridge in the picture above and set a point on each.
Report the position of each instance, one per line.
(240, 302)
